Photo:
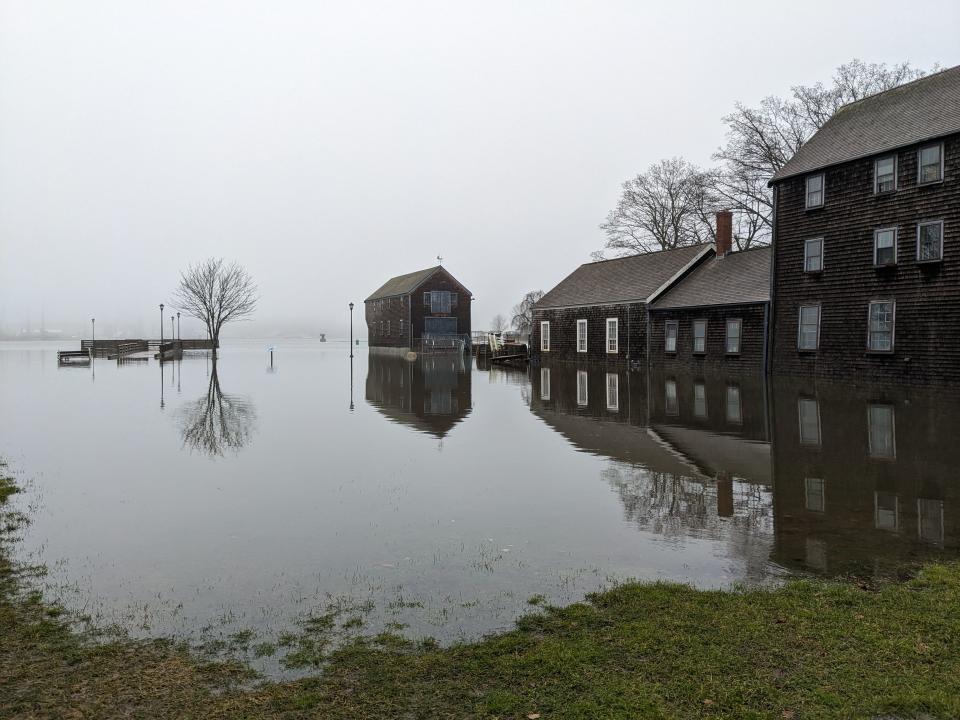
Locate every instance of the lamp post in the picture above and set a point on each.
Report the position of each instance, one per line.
(173, 335)
(179, 336)
(351, 330)
(93, 337)
(160, 354)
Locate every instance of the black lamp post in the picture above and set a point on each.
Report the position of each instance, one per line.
(93, 337)
(179, 336)
(351, 330)
(173, 335)
(161, 333)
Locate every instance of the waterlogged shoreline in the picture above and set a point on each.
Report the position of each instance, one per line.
(808, 649)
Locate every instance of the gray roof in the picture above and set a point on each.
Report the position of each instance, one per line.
(404, 284)
(740, 278)
(629, 279)
(920, 110)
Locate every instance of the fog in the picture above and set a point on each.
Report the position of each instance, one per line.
(328, 146)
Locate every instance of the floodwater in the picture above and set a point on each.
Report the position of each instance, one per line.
(439, 497)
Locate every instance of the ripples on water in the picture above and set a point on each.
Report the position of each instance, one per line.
(203, 501)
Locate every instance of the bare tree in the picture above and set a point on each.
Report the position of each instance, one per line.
(217, 422)
(216, 294)
(660, 209)
(499, 323)
(522, 320)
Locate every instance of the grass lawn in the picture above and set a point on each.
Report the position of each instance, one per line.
(808, 650)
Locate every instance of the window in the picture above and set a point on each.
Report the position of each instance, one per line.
(734, 330)
(814, 499)
(671, 406)
(699, 336)
(582, 381)
(881, 432)
(388, 328)
(581, 336)
(813, 255)
(454, 298)
(808, 410)
(670, 336)
(930, 520)
(699, 400)
(734, 405)
(545, 336)
(930, 241)
(426, 299)
(885, 246)
(613, 342)
(930, 164)
(544, 383)
(886, 511)
(613, 392)
(885, 174)
(808, 336)
(440, 301)
(814, 197)
(381, 328)
(880, 326)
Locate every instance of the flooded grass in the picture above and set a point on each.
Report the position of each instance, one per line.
(811, 648)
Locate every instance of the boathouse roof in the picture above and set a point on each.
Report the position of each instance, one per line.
(740, 278)
(406, 284)
(921, 110)
(637, 278)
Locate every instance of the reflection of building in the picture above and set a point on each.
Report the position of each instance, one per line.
(431, 394)
(407, 308)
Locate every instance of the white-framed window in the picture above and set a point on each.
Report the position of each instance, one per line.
(814, 192)
(734, 332)
(930, 520)
(613, 335)
(813, 255)
(885, 174)
(381, 328)
(581, 336)
(613, 392)
(808, 333)
(545, 336)
(886, 511)
(699, 336)
(582, 382)
(930, 164)
(670, 336)
(881, 431)
(880, 325)
(808, 412)
(388, 328)
(930, 241)
(734, 405)
(544, 383)
(671, 403)
(699, 400)
(885, 246)
(814, 497)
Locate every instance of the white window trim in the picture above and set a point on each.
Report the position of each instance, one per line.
(800, 326)
(693, 329)
(545, 384)
(816, 403)
(616, 336)
(676, 336)
(702, 387)
(806, 191)
(920, 167)
(667, 384)
(544, 336)
(893, 330)
(922, 224)
(582, 323)
(876, 177)
(896, 238)
(585, 400)
(806, 495)
(806, 244)
(739, 419)
(726, 336)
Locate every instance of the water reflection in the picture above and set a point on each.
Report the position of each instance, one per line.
(216, 422)
(431, 394)
(807, 477)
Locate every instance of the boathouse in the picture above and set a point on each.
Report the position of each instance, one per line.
(866, 245)
(599, 311)
(716, 316)
(428, 304)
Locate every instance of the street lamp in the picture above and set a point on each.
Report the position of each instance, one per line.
(93, 336)
(161, 332)
(179, 336)
(351, 330)
(173, 335)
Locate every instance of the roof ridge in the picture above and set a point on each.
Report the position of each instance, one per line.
(645, 254)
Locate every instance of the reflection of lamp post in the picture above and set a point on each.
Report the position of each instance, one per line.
(179, 336)
(351, 330)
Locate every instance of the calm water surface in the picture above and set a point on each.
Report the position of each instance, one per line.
(442, 496)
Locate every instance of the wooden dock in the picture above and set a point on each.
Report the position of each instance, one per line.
(129, 350)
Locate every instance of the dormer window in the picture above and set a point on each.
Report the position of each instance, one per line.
(814, 191)
(885, 174)
(930, 164)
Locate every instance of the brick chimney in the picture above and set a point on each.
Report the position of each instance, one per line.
(724, 232)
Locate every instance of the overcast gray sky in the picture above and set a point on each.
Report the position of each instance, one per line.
(328, 146)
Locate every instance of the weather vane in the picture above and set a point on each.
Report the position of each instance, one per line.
(439, 260)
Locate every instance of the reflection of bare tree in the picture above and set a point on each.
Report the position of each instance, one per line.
(217, 422)
(666, 503)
